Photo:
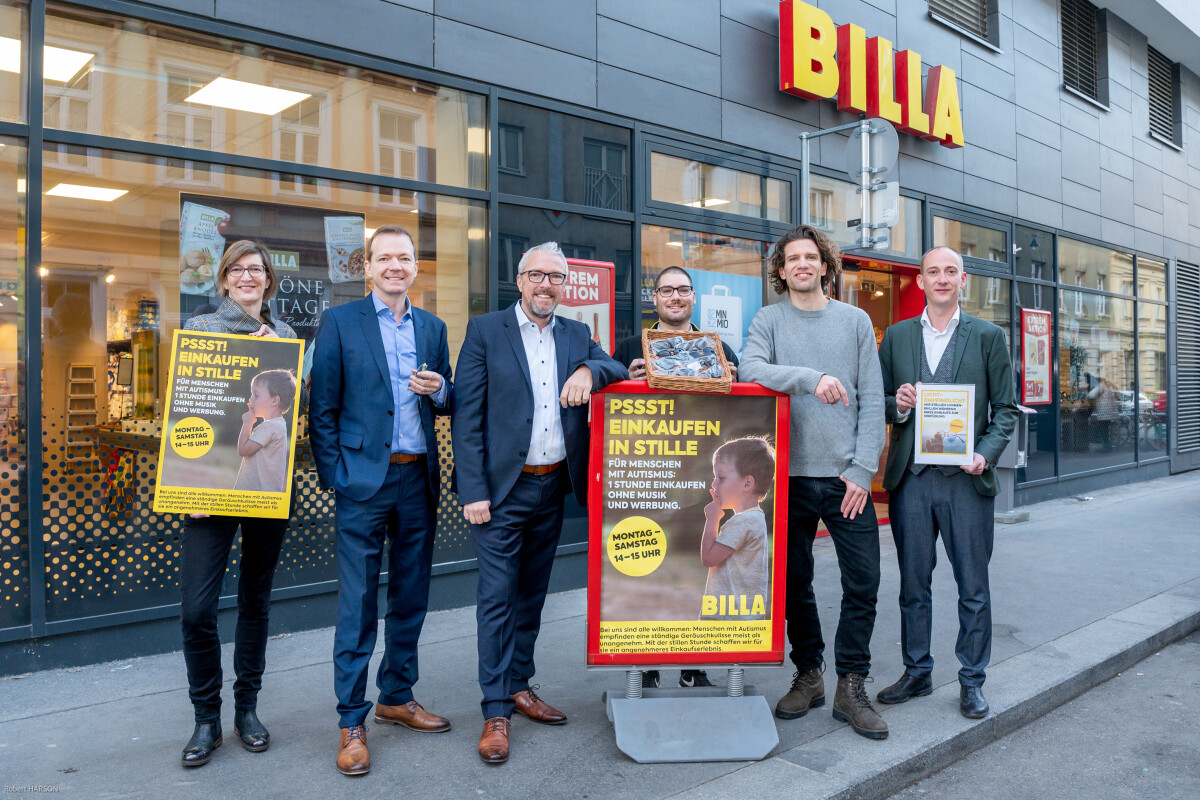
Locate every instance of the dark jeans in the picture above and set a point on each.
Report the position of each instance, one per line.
(204, 556)
(922, 507)
(856, 541)
(515, 553)
(400, 514)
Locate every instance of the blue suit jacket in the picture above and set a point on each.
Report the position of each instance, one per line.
(351, 409)
(493, 405)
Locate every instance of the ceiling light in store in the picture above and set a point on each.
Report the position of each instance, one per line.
(879, 292)
(58, 64)
(416, 211)
(80, 192)
(475, 140)
(368, 232)
(243, 96)
(674, 244)
(110, 277)
(475, 234)
(13, 296)
(20, 186)
(10, 54)
(43, 272)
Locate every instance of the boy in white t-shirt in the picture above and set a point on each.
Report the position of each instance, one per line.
(736, 556)
(265, 449)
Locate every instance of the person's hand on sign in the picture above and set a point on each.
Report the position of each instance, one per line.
(830, 390)
(855, 500)
(265, 330)
(637, 369)
(478, 512)
(578, 388)
(906, 398)
(733, 371)
(976, 467)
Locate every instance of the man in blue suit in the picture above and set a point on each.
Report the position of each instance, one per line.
(520, 444)
(381, 372)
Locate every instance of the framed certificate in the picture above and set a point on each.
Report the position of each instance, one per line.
(945, 422)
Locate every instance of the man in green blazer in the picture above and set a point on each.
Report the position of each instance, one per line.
(944, 345)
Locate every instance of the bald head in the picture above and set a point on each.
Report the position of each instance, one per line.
(942, 279)
(942, 255)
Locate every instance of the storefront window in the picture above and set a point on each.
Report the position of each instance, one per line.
(728, 277)
(971, 241)
(1096, 379)
(831, 202)
(554, 156)
(1042, 431)
(14, 526)
(1035, 254)
(125, 264)
(987, 297)
(696, 184)
(1092, 267)
(141, 80)
(1152, 279)
(14, 61)
(1152, 380)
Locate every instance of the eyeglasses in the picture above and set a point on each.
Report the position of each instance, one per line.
(666, 291)
(535, 276)
(237, 271)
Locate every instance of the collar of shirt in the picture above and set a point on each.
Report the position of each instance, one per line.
(381, 307)
(658, 326)
(927, 325)
(235, 318)
(523, 319)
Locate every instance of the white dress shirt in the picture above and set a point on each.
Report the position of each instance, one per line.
(935, 341)
(546, 445)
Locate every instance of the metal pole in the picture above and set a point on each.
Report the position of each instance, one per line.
(805, 150)
(864, 182)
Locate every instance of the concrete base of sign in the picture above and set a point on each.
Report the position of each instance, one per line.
(676, 725)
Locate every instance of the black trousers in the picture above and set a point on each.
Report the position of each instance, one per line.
(812, 500)
(206, 544)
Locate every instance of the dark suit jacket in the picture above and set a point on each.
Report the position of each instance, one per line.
(351, 412)
(493, 404)
(980, 357)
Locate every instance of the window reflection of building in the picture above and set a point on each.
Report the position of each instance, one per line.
(184, 124)
(73, 103)
(301, 136)
(604, 175)
(510, 155)
(396, 153)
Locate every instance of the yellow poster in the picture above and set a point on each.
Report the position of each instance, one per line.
(945, 424)
(229, 437)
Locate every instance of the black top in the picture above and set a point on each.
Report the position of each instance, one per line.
(631, 348)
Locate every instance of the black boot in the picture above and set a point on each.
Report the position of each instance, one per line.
(253, 733)
(205, 739)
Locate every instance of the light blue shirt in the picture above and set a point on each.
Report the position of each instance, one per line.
(400, 348)
(546, 444)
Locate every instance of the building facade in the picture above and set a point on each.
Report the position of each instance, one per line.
(642, 134)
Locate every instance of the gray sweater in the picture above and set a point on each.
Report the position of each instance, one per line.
(788, 350)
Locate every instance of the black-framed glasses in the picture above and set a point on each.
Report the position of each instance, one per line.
(537, 276)
(666, 291)
(237, 271)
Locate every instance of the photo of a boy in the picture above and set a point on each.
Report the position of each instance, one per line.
(736, 555)
(264, 449)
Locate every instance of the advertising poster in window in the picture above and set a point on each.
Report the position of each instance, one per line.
(229, 437)
(726, 304)
(318, 254)
(687, 526)
(588, 297)
(945, 423)
(1035, 357)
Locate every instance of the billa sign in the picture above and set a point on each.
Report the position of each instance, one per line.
(818, 60)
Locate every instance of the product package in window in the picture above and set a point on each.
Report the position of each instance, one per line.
(345, 244)
(201, 245)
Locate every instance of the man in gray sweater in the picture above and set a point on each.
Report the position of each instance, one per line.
(822, 352)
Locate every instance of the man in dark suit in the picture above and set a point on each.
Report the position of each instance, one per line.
(381, 372)
(520, 443)
(944, 345)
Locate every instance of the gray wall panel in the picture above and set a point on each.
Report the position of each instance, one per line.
(936, 43)
(1148, 242)
(1039, 209)
(1028, 43)
(1147, 187)
(1039, 169)
(1082, 198)
(694, 22)
(1083, 121)
(760, 14)
(1080, 159)
(1039, 17)
(1174, 187)
(1175, 218)
(654, 56)
(203, 8)
(989, 122)
(992, 75)
(1039, 87)
(1116, 197)
(1083, 223)
(1120, 163)
(550, 23)
(369, 26)
(419, 5)
(925, 176)
(875, 21)
(754, 82)
(990, 166)
(992, 196)
(750, 127)
(1118, 234)
(1147, 221)
(637, 96)
(513, 63)
(1117, 132)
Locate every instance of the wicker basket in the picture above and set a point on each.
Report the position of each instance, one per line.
(685, 383)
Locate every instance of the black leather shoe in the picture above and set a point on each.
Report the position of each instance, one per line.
(253, 733)
(650, 679)
(971, 702)
(908, 687)
(205, 739)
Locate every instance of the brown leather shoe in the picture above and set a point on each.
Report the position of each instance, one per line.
(493, 742)
(353, 758)
(411, 716)
(537, 709)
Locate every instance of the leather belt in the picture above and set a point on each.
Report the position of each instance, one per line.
(405, 458)
(541, 469)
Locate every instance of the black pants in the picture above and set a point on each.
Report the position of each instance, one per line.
(206, 544)
(856, 541)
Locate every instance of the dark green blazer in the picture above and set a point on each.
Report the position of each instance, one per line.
(980, 357)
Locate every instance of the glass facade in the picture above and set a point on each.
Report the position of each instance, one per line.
(831, 202)
(695, 184)
(971, 241)
(14, 521)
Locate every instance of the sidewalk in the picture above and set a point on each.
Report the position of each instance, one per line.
(1079, 592)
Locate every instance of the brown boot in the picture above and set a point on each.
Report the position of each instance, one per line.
(493, 743)
(851, 705)
(353, 758)
(808, 691)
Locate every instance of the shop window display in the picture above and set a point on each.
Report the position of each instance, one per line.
(127, 259)
(14, 547)
(1042, 430)
(1150, 400)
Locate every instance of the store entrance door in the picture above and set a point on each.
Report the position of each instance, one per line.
(888, 292)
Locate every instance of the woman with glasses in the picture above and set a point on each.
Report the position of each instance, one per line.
(245, 281)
